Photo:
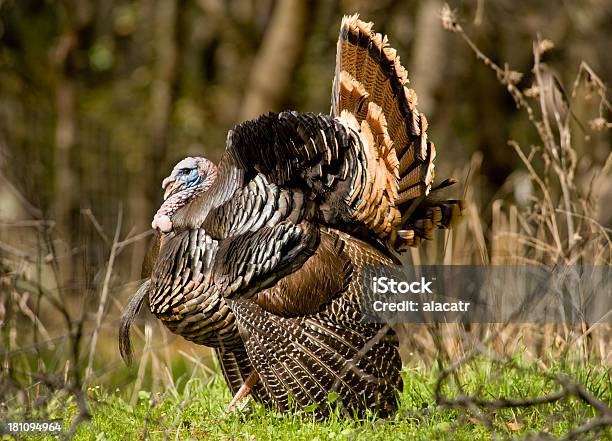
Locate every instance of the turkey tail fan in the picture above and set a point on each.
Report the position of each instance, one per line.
(370, 77)
(302, 361)
(369, 70)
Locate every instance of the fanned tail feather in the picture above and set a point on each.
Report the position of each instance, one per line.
(371, 85)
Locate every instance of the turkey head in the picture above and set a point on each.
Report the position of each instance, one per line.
(189, 178)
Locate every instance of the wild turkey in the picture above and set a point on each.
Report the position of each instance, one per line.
(260, 257)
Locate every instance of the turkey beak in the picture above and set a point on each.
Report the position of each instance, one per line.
(169, 185)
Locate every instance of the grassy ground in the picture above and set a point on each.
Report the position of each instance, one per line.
(196, 410)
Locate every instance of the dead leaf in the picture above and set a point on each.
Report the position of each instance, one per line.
(515, 425)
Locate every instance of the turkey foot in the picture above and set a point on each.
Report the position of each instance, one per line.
(244, 390)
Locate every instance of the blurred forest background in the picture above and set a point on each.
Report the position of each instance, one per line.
(99, 98)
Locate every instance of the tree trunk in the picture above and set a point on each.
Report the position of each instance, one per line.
(64, 176)
(162, 86)
(274, 67)
(65, 102)
(429, 52)
(147, 194)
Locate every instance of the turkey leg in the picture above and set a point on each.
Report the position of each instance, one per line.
(244, 390)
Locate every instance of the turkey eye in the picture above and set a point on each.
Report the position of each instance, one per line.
(185, 171)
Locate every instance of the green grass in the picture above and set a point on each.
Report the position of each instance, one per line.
(197, 410)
